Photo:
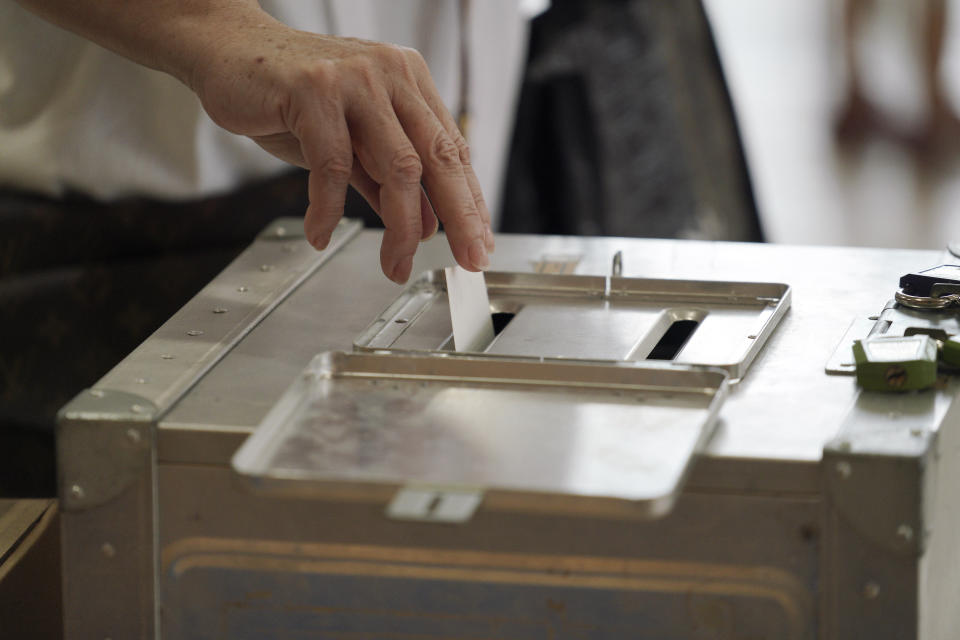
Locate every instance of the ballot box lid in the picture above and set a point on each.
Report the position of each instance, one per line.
(621, 431)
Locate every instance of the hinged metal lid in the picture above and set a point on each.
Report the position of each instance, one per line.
(625, 431)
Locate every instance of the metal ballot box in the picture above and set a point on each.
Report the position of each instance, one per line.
(650, 450)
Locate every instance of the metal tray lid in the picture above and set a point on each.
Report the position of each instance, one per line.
(625, 431)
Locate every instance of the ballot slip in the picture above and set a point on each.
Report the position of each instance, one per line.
(469, 309)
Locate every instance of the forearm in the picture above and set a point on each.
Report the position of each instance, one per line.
(168, 35)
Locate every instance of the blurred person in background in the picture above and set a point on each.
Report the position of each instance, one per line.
(625, 127)
(893, 53)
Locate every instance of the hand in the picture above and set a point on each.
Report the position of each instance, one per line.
(357, 112)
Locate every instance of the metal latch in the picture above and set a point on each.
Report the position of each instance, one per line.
(434, 504)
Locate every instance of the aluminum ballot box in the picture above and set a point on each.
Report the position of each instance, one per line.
(663, 440)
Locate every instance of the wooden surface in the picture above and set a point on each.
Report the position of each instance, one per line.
(30, 607)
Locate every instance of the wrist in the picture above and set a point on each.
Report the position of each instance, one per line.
(198, 42)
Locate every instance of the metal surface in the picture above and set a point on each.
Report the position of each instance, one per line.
(772, 535)
(885, 429)
(938, 573)
(878, 520)
(434, 504)
(288, 229)
(230, 401)
(401, 592)
(335, 565)
(104, 442)
(623, 432)
(187, 346)
(591, 318)
(106, 472)
(106, 437)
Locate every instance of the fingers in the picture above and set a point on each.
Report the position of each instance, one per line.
(327, 150)
(386, 131)
(390, 159)
(428, 218)
(432, 97)
(365, 186)
(370, 191)
(446, 182)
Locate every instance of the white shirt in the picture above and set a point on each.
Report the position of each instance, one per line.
(74, 115)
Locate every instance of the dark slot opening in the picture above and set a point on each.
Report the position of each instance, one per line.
(500, 321)
(673, 340)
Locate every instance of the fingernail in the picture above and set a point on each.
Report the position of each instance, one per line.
(488, 240)
(320, 241)
(401, 270)
(478, 255)
(432, 233)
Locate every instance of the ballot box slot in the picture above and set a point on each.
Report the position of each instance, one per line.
(500, 315)
(592, 318)
(500, 320)
(673, 339)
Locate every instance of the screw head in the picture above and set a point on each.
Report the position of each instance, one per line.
(77, 492)
(195, 332)
(266, 267)
(96, 393)
(905, 532)
(896, 376)
(242, 289)
(844, 470)
(219, 310)
(871, 590)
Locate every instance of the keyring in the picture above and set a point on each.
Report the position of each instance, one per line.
(926, 302)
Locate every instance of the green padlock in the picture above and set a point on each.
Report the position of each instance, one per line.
(950, 352)
(902, 363)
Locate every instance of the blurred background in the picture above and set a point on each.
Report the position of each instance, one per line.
(879, 169)
(797, 121)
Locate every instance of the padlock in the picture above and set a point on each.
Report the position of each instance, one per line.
(901, 363)
(950, 352)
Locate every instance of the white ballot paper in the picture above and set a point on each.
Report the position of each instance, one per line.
(469, 309)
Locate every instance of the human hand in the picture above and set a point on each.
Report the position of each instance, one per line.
(352, 112)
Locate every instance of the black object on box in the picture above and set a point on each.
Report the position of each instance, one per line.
(921, 282)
